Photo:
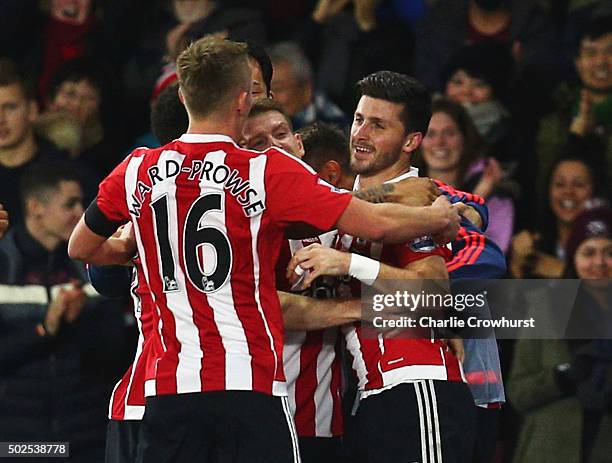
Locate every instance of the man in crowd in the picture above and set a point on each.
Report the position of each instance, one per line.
(192, 391)
(19, 148)
(58, 340)
(293, 87)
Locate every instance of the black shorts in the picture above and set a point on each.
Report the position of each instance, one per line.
(218, 427)
(320, 449)
(425, 422)
(121, 441)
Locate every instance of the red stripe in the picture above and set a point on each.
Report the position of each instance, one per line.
(306, 384)
(118, 397)
(478, 250)
(460, 256)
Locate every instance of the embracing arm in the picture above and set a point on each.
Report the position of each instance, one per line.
(307, 314)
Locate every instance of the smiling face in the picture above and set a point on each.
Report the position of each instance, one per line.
(81, 98)
(593, 259)
(594, 62)
(465, 89)
(443, 144)
(71, 11)
(571, 185)
(271, 129)
(378, 138)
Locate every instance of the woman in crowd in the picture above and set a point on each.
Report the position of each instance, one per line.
(572, 181)
(453, 153)
(563, 387)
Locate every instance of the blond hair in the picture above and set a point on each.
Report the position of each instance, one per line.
(211, 72)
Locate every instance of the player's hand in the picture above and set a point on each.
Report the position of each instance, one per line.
(4, 221)
(452, 214)
(414, 191)
(318, 260)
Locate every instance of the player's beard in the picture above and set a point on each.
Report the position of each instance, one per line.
(380, 161)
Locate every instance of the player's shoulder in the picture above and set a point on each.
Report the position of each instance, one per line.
(283, 162)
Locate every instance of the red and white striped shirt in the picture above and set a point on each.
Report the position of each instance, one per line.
(382, 362)
(209, 219)
(313, 369)
(128, 398)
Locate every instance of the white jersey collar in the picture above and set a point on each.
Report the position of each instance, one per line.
(413, 172)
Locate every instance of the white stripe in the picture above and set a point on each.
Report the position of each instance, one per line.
(417, 392)
(238, 371)
(257, 168)
(293, 433)
(131, 179)
(354, 347)
(28, 294)
(324, 399)
(294, 341)
(427, 403)
(134, 412)
(434, 403)
(190, 355)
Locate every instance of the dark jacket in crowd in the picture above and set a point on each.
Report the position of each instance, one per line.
(53, 389)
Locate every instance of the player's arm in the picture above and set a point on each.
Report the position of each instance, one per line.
(91, 242)
(413, 191)
(307, 314)
(319, 260)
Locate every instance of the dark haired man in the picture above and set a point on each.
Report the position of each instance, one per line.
(59, 341)
(414, 404)
(206, 190)
(19, 147)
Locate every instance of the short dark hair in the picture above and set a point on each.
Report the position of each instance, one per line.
(259, 54)
(324, 142)
(265, 105)
(596, 26)
(404, 90)
(210, 71)
(169, 118)
(10, 75)
(45, 176)
(76, 70)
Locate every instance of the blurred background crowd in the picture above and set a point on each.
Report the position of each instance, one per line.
(522, 117)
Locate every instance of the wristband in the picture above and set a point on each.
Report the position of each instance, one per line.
(364, 269)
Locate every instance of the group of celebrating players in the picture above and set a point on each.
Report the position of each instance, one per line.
(227, 224)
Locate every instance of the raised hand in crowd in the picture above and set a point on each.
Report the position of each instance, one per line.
(65, 307)
(4, 221)
(491, 176)
(584, 121)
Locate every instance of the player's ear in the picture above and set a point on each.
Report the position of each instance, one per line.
(412, 142)
(244, 103)
(331, 172)
(301, 150)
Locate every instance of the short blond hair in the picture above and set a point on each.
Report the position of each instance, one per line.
(211, 71)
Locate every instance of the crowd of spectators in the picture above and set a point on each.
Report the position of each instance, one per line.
(522, 117)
